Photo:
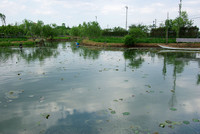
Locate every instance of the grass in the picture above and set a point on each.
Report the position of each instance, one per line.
(109, 39)
(66, 38)
(140, 40)
(155, 40)
(12, 39)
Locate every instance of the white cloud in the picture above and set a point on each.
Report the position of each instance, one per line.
(110, 12)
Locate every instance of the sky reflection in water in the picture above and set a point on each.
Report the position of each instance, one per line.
(79, 88)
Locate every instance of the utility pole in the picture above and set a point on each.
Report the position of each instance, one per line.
(126, 16)
(155, 23)
(180, 6)
(167, 27)
(96, 18)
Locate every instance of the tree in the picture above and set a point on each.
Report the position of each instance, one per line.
(138, 31)
(90, 29)
(3, 19)
(75, 31)
(182, 21)
(49, 31)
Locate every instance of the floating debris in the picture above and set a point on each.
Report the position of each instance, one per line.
(125, 80)
(173, 109)
(109, 108)
(62, 78)
(45, 115)
(195, 120)
(186, 122)
(170, 126)
(31, 96)
(117, 69)
(126, 113)
(133, 95)
(42, 99)
(9, 101)
(162, 125)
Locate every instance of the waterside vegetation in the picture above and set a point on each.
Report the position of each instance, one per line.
(29, 32)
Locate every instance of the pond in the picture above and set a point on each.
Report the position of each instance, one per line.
(64, 89)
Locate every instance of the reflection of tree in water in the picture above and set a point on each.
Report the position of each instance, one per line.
(178, 60)
(135, 57)
(7, 53)
(198, 79)
(85, 52)
(76, 123)
(29, 53)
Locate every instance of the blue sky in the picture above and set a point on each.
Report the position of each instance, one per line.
(110, 13)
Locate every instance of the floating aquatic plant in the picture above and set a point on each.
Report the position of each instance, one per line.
(195, 120)
(126, 113)
(113, 112)
(186, 122)
(173, 109)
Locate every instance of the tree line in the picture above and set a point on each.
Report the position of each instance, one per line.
(178, 27)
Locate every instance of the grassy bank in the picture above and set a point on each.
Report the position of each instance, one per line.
(139, 40)
(16, 43)
(12, 39)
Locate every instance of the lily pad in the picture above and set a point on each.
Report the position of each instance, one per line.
(113, 112)
(148, 86)
(195, 120)
(115, 100)
(121, 99)
(186, 122)
(126, 113)
(12, 94)
(173, 109)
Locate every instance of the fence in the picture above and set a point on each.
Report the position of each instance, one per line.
(188, 40)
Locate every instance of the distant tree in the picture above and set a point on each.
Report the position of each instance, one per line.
(182, 21)
(75, 31)
(90, 29)
(118, 29)
(3, 19)
(48, 31)
(138, 31)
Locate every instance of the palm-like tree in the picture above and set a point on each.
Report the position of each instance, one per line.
(3, 19)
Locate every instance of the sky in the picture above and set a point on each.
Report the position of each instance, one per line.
(109, 13)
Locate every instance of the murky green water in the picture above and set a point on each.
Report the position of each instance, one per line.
(61, 89)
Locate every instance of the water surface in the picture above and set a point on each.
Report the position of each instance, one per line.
(61, 88)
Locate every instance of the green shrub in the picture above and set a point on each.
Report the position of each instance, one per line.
(129, 40)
